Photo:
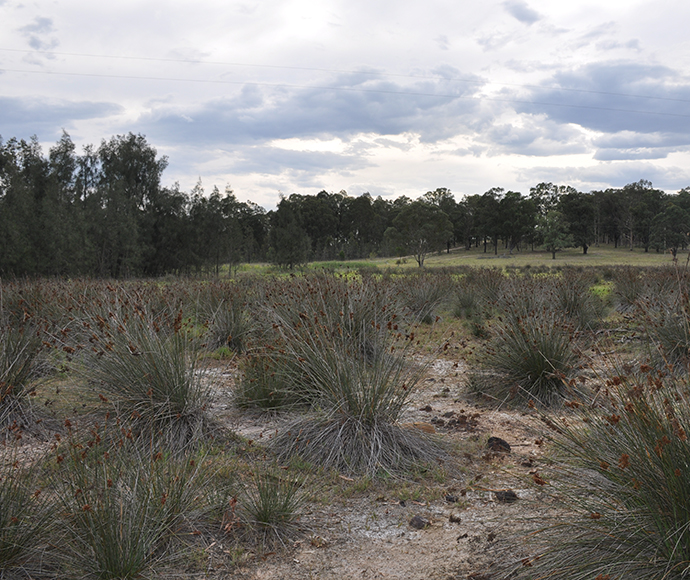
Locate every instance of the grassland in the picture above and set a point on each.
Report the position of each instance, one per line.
(240, 418)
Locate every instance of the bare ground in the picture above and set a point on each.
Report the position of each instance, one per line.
(369, 534)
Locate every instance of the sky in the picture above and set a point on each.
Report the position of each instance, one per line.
(390, 97)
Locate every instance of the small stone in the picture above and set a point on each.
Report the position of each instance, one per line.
(454, 519)
(452, 498)
(449, 414)
(498, 445)
(419, 522)
(506, 496)
(427, 409)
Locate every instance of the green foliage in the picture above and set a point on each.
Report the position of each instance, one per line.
(554, 231)
(422, 228)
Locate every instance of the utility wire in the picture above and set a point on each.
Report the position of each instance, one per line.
(344, 89)
(343, 71)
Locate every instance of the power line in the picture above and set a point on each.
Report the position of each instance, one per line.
(346, 89)
(344, 71)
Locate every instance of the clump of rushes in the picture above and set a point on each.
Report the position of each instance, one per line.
(270, 505)
(224, 305)
(665, 316)
(343, 349)
(629, 286)
(125, 509)
(149, 373)
(624, 477)
(19, 347)
(27, 515)
(424, 293)
(263, 385)
(530, 357)
(574, 297)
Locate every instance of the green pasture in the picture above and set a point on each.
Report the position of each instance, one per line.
(601, 255)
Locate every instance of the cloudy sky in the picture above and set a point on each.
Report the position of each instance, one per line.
(393, 97)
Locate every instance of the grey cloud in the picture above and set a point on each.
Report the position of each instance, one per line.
(633, 44)
(40, 25)
(632, 153)
(521, 11)
(614, 97)
(534, 137)
(22, 117)
(37, 31)
(434, 109)
(629, 139)
(612, 174)
(272, 160)
(38, 44)
(495, 40)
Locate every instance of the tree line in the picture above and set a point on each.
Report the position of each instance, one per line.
(105, 213)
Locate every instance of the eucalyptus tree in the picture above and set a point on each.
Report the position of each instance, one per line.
(421, 228)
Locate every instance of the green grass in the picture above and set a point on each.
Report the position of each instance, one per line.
(602, 255)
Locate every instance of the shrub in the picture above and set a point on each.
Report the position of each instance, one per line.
(624, 479)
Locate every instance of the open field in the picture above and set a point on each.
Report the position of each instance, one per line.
(597, 256)
(322, 426)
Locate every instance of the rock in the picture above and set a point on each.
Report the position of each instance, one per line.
(498, 445)
(419, 522)
(427, 409)
(506, 496)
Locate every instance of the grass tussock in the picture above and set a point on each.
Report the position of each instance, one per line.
(343, 350)
(270, 505)
(528, 358)
(28, 517)
(19, 349)
(126, 512)
(623, 478)
(149, 373)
